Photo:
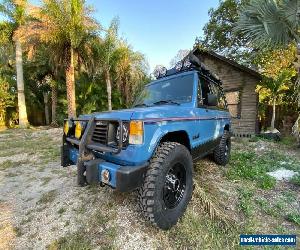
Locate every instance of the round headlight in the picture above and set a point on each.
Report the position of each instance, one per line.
(68, 126)
(124, 135)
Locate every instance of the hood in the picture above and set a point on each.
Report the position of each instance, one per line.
(163, 111)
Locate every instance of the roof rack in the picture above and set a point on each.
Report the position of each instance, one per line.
(188, 63)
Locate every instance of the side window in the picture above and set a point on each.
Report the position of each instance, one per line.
(203, 91)
(208, 87)
(233, 100)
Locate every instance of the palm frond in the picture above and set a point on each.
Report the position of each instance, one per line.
(289, 9)
(214, 213)
(265, 23)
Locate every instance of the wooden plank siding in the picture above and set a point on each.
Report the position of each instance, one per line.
(237, 79)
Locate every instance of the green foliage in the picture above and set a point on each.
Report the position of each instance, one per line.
(236, 27)
(46, 58)
(114, 59)
(219, 35)
(78, 25)
(279, 84)
(279, 73)
(7, 99)
(294, 217)
(266, 182)
(245, 201)
(92, 96)
(15, 12)
(249, 166)
(269, 23)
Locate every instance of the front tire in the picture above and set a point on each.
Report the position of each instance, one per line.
(168, 185)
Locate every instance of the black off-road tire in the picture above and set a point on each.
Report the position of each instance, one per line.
(152, 197)
(221, 153)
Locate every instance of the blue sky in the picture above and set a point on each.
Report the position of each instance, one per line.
(157, 28)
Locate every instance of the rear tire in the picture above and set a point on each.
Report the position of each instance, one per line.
(221, 153)
(168, 185)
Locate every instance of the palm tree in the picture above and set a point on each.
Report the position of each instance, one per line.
(104, 56)
(54, 122)
(130, 70)
(15, 11)
(66, 27)
(272, 23)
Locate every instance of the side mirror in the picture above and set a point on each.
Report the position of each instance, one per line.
(212, 100)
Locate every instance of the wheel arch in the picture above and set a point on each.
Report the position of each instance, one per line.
(180, 136)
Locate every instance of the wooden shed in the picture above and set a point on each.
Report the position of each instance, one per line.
(239, 83)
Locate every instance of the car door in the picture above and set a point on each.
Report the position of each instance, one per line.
(206, 122)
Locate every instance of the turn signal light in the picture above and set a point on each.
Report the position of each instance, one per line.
(136, 132)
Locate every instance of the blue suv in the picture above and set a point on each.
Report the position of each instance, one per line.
(177, 119)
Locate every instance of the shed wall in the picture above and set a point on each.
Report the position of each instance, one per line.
(234, 78)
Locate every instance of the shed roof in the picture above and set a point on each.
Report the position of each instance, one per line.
(198, 51)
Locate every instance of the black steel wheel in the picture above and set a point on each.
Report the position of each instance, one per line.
(174, 187)
(168, 185)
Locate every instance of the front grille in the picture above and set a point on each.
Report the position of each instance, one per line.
(100, 132)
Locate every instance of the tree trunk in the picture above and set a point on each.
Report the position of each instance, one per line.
(54, 122)
(108, 87)
(23, 121)
(46, 100)
(70, 82)
(273, 114)
(127, 93)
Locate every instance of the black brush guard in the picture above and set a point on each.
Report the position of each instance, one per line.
(86, 139)
(86, 145)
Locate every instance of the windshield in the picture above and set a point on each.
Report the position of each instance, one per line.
(174, 91)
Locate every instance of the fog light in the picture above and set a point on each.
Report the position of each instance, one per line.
(78, 130)
(68, 126)
(105, 176)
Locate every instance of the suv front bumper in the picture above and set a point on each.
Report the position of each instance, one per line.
(122, 178)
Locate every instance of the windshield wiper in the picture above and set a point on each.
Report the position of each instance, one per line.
(166, 102)
(141, 105)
